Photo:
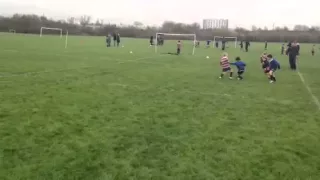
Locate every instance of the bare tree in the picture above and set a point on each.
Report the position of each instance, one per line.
(28, 23)
(299, 27)
(71, 20)
(85, 20)
(254, 28)
(138, 24)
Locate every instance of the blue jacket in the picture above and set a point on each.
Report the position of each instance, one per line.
(240, 65)
(274, 64)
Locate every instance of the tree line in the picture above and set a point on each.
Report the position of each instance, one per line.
(31, 24)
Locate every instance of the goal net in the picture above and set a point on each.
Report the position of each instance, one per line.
(51, 31)
(12, 31)
(167, 43)
(230, 41)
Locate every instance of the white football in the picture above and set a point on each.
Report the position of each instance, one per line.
(207, 57)
(130, 52)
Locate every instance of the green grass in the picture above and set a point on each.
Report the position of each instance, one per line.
(94, 113)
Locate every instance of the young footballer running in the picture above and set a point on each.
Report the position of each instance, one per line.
(240, 66)
(265, 64)
(274, 65)
(225, 65)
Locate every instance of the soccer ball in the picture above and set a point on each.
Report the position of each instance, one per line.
(130, 52)
(123, 46)
(207, 57)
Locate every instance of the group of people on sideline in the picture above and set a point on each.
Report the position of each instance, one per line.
(116, 39)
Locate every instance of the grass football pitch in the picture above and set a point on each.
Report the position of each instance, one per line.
(95, 113)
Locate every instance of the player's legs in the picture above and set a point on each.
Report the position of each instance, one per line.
(225, 71)
(312, 52)
(294, 63)
(240, 73)
(178, 51)
(272, 76)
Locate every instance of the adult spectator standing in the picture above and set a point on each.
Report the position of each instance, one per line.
(118, 39)
(114, 39)
(241, 45)
(247, 45)
(223, 44)
(266, 45)
(293, 53)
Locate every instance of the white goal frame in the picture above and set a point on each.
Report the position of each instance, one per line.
(12, 31)
(47, 28)
(61, 33)
(221, 37)
(170, 34)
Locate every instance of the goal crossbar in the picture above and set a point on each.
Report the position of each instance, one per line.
(175, 34)
(12, 31)
(61, 31)
(48, 28)
(226, 37)
(170, 34)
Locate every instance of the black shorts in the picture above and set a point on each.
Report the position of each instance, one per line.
(226, 69)
(240, 72)
(266, 71)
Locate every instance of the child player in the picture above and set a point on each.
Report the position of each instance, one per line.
(240, 66)
(263, 57)
(273, 67)
(151, 40)
(312, 50)
(178, 47)
(208, 43)
(225, 65)
(282, 49)
(265, 64)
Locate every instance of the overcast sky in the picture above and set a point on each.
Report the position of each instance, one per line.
(244, 13)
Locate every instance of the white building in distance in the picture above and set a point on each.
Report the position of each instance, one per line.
(215, 24)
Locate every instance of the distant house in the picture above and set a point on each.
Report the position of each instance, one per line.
(94, 26)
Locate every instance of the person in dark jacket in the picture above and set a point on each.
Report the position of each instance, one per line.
(293, 53)
(118, 39)
(151, 40)
(241, 45)
(247, 46)
(114, 39)
(265, 45)
(282, 49)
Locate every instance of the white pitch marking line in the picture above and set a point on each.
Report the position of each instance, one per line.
(315, 99)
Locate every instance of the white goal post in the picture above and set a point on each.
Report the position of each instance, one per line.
(12, 31)
(57, 29)
(53, 29)
(169, 34)
(226, 38)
